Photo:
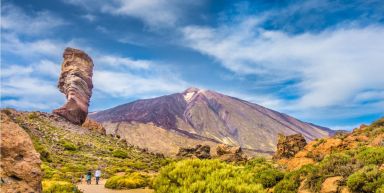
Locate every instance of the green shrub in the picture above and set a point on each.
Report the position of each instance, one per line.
(291, 180)
(338, 164)
(289, 184)
(120, 154)
(378, 123)
(366, 180)
(381, 189)
(371, 155)
(33, 115)
(68, 145)
(264, 173)
(212, 176)
(129, 181)
(50, 186)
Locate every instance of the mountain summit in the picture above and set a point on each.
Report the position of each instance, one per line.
(198, 116)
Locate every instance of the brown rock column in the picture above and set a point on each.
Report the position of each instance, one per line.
(76, 83)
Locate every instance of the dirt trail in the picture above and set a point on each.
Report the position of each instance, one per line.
(93, 188)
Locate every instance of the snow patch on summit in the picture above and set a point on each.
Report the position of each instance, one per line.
(188, 96)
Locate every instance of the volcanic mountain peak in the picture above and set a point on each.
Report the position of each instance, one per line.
(196, 116)
(190, 93)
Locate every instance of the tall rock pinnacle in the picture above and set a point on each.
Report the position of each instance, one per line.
(76, 83)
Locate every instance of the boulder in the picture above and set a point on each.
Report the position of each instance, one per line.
(331, 185)
(230, 153)
(199, 151)
(288, 146)
(20, 163)
(76, 83)
(94, 126)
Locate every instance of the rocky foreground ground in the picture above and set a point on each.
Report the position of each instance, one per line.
(347, 162)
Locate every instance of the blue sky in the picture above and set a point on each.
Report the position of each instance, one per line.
(320, 61)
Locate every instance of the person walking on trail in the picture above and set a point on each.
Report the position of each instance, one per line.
(88, 177)
(97, 175)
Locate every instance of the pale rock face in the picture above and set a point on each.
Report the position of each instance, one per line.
(20, 163)
(76, 83)
(190, 93)
(331, 185)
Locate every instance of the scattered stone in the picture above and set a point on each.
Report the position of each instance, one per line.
(288, 146)
(344, 189)
(200, 151)
(76, 83)
(303, 188)
(331, 185)
(230, 153)
(20, 163)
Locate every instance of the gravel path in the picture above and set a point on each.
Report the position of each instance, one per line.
(93, 188)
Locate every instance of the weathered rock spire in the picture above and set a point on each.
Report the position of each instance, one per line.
(76, 83)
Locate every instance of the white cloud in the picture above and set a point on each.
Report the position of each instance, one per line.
(155, 13)
(47, 67)
(334, 65)
(30, 92)
(116, 61)
(89, 17)
(33, 48)
(15, 20)
(125, 84)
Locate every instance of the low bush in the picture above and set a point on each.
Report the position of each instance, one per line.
(264, 173)
(50, 186)
(128, 181)
(371, 155)
(212, 176)
(366, 180)
(120, 154)
(291, 181)
(338, 164)
(68, 145)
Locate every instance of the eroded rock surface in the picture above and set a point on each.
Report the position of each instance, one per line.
(200, 151)
(20, 163)
(230, 153)
(76, 83)
(288, 146)
(94, 126)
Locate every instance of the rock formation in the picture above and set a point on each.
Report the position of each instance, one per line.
(331, 184)
(76, 83)
(200, 151)
(20, 163)
(288, 146)
(94, 126)
(230, 153)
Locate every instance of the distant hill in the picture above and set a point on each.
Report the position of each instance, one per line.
(197, 116)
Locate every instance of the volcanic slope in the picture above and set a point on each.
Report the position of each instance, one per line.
(197, 116)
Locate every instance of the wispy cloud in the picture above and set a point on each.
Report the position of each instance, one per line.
(331, 62)
(118, 61)
(125, 84)
(154, 13)
(14, 19)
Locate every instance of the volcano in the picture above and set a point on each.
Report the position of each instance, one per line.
(198, 116)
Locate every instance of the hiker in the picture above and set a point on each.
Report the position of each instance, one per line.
(97, 175)
(88, 177)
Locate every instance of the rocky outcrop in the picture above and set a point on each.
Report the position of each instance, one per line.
(288, 146)
(94, 126)
(230, 153)
(20, 163)
(200, 151)
(76, 83)
(331, 185)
